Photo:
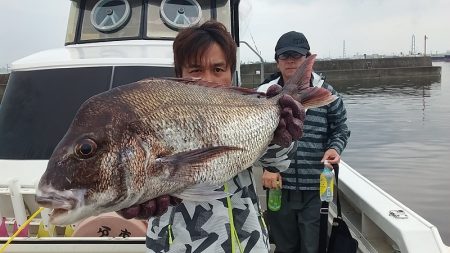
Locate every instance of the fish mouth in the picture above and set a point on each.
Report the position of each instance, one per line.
(63, 203)
(60, 206)
(56, 202)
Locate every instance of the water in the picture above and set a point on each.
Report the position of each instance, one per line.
(400, 140)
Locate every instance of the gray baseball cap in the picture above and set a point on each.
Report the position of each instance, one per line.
(292, 41)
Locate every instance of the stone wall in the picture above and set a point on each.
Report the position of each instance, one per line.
(352, 69)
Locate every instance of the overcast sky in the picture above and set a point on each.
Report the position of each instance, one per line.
(366, 26)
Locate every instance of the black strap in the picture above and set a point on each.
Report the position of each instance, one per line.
(324, 214)
(323, 227)
(338, 203)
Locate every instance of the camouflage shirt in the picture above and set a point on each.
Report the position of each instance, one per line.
(199, 226)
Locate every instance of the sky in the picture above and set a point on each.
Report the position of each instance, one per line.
(365, 26)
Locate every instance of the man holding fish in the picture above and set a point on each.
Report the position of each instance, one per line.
(216, 67)
(161, 137)
(208, 52)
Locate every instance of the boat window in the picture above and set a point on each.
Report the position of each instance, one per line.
(223, 13)
(111, 19)
(129, 74)
(166, 17)
(38, 106)
(72, 23)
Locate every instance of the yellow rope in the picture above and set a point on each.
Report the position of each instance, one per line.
(2, 249)
(170, 234)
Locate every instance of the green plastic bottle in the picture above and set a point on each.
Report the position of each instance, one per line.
(274, 203)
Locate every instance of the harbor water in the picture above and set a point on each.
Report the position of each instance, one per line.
(400, 140)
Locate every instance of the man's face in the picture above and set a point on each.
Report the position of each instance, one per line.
(212, 68)
(288, 63)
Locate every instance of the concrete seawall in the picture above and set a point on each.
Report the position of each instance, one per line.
(353, 69)
(337, 71)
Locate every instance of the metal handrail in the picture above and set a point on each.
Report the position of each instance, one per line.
(260, 58)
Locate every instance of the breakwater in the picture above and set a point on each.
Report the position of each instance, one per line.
(337, 71)
(345, 70)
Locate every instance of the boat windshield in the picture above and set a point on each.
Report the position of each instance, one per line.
(39, 105)
(109, 20)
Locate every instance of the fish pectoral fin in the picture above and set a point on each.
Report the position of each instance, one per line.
(182, 166)
(202, 192)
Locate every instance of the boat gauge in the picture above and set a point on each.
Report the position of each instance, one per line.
(179, 14)
(110, 15)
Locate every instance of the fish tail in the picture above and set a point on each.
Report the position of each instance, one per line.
(299, 87)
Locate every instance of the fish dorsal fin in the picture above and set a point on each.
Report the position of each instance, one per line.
(299, 87)
(184, 165)
(247, 91)
(196, 81)
(200, 82)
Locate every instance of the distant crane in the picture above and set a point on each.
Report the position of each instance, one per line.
(425, 45)
(343, 50)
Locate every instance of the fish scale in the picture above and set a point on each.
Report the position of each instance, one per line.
(204, 121)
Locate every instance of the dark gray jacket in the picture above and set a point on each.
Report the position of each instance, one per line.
(324, 128)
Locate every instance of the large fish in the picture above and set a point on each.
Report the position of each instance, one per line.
(158, 136)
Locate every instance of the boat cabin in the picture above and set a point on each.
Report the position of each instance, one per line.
(108, 43)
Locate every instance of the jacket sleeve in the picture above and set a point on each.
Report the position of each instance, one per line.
(277, 159)
(337, 123)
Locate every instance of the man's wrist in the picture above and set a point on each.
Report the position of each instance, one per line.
(338, 150)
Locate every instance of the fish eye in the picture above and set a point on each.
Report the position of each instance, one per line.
(85, 148)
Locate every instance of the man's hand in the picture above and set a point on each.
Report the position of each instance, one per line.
(290, 127)
(153, 207)
(271, 180)
(332, 156)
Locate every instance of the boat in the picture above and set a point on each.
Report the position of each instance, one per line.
(444, 58)
(114, 42)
